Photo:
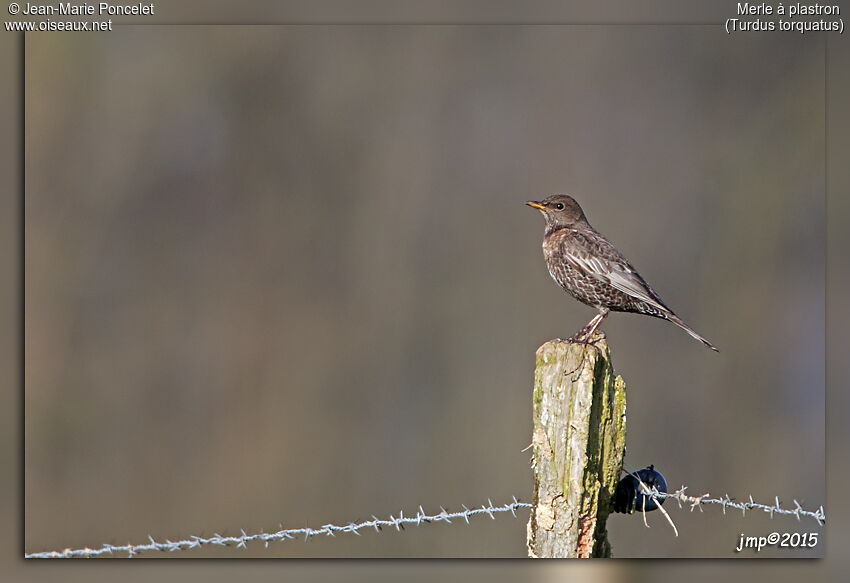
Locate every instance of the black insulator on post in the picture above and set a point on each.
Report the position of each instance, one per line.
(629, 497)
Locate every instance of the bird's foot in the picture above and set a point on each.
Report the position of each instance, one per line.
(582, 337)
(579, 337)
(589, 330)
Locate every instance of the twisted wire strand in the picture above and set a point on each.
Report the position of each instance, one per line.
(399, 522)
(727, 502)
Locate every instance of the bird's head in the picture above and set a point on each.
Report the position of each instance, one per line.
(559, 210)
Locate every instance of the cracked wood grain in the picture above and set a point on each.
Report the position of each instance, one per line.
(579, 440)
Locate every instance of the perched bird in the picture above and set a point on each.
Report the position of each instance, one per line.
(593, 271)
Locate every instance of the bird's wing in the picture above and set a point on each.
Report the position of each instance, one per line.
(595, 256)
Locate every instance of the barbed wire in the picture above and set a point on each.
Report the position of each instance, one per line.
(727, 502)
(398, 522)
(307, 533)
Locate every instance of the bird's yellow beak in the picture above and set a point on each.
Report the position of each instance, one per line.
(535, 205)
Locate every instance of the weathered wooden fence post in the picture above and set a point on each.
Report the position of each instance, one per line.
(579, 441)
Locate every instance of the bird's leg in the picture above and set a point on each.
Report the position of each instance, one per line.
(582, 335)
(603, 313)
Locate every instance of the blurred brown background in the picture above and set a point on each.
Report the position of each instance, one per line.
(284, 274)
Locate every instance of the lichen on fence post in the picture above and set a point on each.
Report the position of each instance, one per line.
(579, 440)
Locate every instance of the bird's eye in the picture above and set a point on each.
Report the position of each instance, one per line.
(560, 206)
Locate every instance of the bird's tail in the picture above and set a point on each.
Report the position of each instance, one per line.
(681, 324)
